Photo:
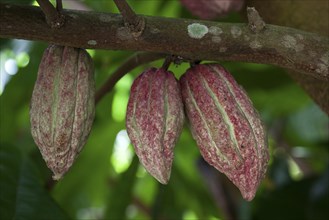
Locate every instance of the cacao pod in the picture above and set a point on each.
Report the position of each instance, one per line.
(210, 9)
(225, 125)
(62, 106)
(154, 120)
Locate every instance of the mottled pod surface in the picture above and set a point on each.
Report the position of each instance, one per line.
(154, 120)
(225, 125)
(62, 106)
(210, 9)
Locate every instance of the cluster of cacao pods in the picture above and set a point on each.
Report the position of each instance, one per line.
(210, 9)
(63, 106)
(222, 119)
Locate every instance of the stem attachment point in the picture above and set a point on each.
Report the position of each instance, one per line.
(255, 22)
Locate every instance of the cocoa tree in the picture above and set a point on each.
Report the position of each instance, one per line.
(304, 52)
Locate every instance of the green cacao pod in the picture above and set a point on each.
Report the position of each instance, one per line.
(225, 125)
(154, 120)
(62, 106)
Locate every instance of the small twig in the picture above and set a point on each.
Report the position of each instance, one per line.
(135, 23)
(134, 61)
(255, 22)
(169, 59)
(194, 62)
(53, 17)
(59, 5)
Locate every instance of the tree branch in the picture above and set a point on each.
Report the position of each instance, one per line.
(290, 48)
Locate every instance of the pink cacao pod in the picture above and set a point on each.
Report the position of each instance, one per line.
(225, 125)
(210, 9)
(154, 120)
(62, 106)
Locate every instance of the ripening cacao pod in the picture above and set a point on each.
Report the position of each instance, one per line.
(154, 120)
(225, 125)
(62, 106)
(210, 9)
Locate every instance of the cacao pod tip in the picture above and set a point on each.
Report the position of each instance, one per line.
(158, 169)
(162, 177)
(57, 176)
(248, 195)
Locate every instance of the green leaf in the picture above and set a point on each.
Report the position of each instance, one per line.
(300, 200)
(22, 194)
(122, 195)
(166, 204)
(310, 125)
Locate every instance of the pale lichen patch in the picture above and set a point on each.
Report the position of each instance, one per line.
(197, 31)
(255, 44)
(299, 36)
(236, 31)
(155, 31)
(322, 68)
(215, 30)
(92, 42)
(222, 49)
(246, 37)
(299, 47)
(123, 33)
(289, 41)
(216, 39)
(325, 58)
(74, 16)
(105, 18)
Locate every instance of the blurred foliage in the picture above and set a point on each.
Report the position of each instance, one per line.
(295, 187)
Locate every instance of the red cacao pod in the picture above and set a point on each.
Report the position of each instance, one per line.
(210, 9)
(225, 125)
(154, 120)
(62, 106)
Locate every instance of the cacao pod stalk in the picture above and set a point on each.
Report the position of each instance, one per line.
(154, 120)
(225, 125)
(62, 106)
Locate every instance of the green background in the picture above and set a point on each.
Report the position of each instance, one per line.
(107, 181)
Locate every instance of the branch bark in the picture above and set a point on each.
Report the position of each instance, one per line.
(289, 48)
